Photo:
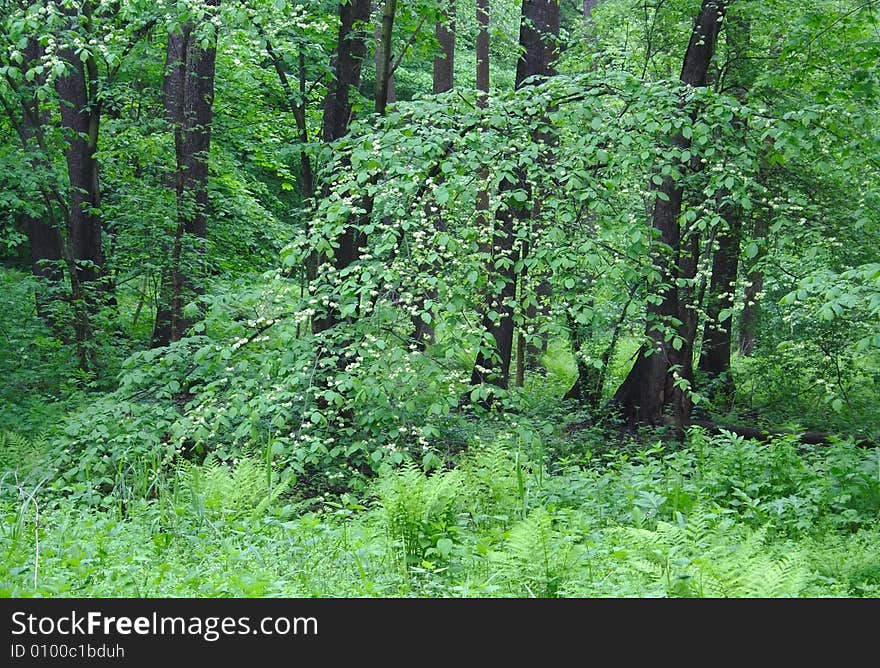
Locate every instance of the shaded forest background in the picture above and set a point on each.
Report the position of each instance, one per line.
(448, 284)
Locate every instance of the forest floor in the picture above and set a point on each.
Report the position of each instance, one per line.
(543, 502)
(718, 516)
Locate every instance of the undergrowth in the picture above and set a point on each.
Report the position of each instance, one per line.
(719, 516)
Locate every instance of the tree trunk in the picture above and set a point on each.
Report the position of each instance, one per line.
(588, 8)
(539, 31)
(482, 52)
(80, 120)
(586, 387)
(716, 346)
(715, 351)
(384, 76)
(297, 107)
(189, 100)
(351, 50)
(663, 366)
(444, 68)
(444, 62)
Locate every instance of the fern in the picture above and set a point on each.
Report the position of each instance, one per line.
(699, 557)
(240, 489)
(490, 483)
(18, 453)
(535, 556)
(421, 511)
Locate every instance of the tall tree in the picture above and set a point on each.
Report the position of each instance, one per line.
(443, 81)
(81, 105)
(665, 365)
(384, 74)
(539, 32)
(444, 62)
(189, 103)
(351, 49)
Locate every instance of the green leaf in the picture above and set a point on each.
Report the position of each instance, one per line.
(441, 194)
(751, 250)
(444, 547)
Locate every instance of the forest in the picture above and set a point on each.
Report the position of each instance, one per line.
(440, 298)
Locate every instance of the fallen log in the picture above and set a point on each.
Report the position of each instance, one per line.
(806, 437)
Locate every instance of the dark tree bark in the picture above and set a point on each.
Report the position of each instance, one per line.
(44, 239)
(80, 119)
(351, 49)
(715, 351)
(482, 52)
(384, 76)
(444, 62)
(538, 37)
(651, 385)
(539, 31)
(189, 103)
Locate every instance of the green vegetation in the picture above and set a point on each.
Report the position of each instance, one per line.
(294, 301)
(718, 517)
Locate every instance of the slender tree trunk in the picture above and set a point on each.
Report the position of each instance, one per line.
(655, 380)
(189, 100)
(384, 76)
(351, 50)
(482, 52)
(80, 107)
(444, 68)
(297, 107)
(539, 30)
(444, 62)
(715, 351)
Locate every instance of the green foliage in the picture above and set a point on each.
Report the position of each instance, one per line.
(700, 557)
(421, 511)
(535, 557)
(619, 527)
(256, 457)
(18, 455)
